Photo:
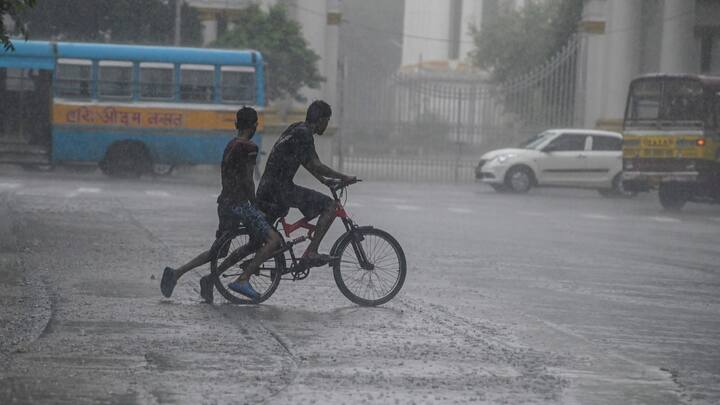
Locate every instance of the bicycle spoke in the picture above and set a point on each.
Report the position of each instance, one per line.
(378, 283)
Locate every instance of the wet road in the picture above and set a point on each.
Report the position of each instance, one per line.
(559, 296)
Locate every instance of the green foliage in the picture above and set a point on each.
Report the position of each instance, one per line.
(14, 9)
(519, 40)
(119, 21)
(290, 63)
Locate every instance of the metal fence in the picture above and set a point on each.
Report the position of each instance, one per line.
(405, 169)
(432, 116)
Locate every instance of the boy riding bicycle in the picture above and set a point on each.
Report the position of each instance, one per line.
(277, 193)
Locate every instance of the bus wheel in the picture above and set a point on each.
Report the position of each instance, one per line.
(673, 196)
(126, 159)
(160, 169)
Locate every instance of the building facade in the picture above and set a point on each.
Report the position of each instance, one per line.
(622, 39)
(319, 20)
(438, 31)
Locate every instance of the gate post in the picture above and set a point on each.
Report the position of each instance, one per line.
(458, 128)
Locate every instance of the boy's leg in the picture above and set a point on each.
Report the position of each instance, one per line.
(272, 241)
(199, 260)
(206, 282)
(312, 204)
(170, 276)
(260, 230)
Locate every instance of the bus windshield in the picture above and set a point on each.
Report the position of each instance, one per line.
(666, 102)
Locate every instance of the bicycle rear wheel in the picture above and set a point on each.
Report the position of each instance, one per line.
(377, 283)
(233, 249)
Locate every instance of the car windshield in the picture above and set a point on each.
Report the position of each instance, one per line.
(537, 140)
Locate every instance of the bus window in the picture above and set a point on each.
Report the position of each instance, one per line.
(644, 102)
(196, 82)
(115, 79)
(157, 81)
(682, 101)
(72, 78)
(237, 84)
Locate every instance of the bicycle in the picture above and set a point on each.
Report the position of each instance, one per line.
(370, 273)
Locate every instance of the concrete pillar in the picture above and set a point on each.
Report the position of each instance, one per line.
(312, 16)
(622, 57)
(332, 33)
(679, 52)
(472, 16)
(425, 19)
(591, 77)
(210, 26)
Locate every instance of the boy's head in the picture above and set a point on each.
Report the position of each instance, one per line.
(246, 118)
(318, 115)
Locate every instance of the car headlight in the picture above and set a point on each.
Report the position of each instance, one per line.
(502, 158)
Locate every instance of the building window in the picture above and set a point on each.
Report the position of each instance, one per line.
(710, 52)
(72, 78)
(714, 54)
(196, 83)
(18, 80)
(237, 84)
(157, 81)
(115, 79)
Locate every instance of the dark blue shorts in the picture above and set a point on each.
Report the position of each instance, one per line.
(278, 199)
(233, 216)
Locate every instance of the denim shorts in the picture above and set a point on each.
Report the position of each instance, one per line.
(233, 216)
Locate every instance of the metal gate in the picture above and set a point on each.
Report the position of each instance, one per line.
(425, 115)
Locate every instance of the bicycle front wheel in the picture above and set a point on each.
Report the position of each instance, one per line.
(234, 249)
(376, 281)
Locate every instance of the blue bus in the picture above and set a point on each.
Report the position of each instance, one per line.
(131, 109)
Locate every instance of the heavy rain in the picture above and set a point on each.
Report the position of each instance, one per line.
(359, 202)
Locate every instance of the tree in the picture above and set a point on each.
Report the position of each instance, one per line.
(14, 10)
(120, 21)
(519, 40)
(290, 63)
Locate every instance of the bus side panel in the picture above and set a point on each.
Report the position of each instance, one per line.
(88, 144)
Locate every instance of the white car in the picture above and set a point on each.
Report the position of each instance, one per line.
(558, 157)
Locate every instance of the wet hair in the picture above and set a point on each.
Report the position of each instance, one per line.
(317, 110)
(245, 118)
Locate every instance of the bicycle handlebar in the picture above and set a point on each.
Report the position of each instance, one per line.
(336, 185)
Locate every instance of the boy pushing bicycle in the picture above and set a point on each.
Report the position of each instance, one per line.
(236, 206)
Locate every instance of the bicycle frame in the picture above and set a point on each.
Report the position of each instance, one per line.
(299, 270)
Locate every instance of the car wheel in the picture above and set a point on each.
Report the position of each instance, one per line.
(617, 190)
(519, 179)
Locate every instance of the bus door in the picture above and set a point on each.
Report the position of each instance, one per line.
(25, 100)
